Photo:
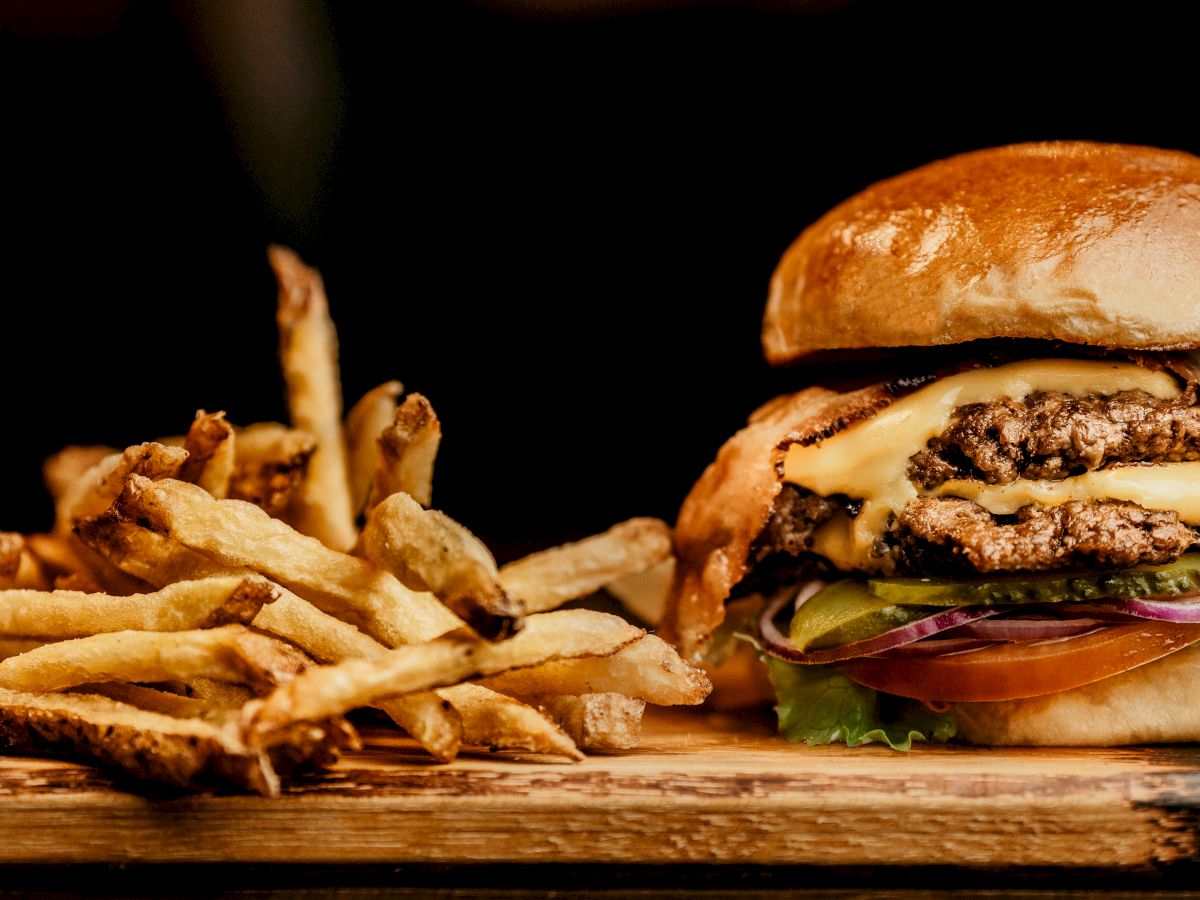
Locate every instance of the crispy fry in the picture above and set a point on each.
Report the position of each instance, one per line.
(364, 424)
(645, 593)
(210, 447)
(184, 752)
(308, 352)
(221, 694)
(15, 646)
(58, 554)
(502, 723)
(239, 534)
(331, 690)
(548, 579)
(182, 606)
(12, 545)
(66, 466)
(427, 550)
(96, 489)
(596, 721)
(649, 669)
(407, 451)
(166, 703)
(158, 559)
(229, 653)
(271, 463)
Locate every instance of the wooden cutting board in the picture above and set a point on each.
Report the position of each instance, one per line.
(702, 789)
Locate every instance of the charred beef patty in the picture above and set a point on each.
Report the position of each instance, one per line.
(949, 535)
(1052, 435)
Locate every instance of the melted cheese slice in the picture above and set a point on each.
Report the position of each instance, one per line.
(870, 459)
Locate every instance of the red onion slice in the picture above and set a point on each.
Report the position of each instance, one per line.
(1027, 629)
(779, 645)
(1183, 612)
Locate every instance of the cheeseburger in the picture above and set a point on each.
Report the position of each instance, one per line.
(986, 530)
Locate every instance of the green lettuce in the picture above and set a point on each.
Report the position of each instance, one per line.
(819, 705)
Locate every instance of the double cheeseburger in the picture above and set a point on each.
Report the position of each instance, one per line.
(983, 525)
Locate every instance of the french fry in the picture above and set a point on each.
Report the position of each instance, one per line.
(66, 466)
(182, 606)
(548, 579)
(222, 694)
(185, 752)
(308, 352)
(364, 424)
(57, 554)
(648, 669)
(15, 646)
(427, 550)
(502, 723)
(407, 451)
(96, 489)
(270, 465)
(331, 690)
(11, 547)
(229, 653)
(210, 447)
(645, 593)
(166, 703)
(239, 534)
(596, 721)
(159, 560)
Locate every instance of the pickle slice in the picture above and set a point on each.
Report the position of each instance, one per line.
(1178, 577)
(846, 612)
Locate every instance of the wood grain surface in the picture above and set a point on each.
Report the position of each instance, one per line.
(701, 789)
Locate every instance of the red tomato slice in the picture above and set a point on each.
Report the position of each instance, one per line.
(1023, 668)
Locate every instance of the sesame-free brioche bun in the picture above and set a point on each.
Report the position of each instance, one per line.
(1080, 242)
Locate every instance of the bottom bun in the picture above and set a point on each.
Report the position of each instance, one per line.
(1152, 704)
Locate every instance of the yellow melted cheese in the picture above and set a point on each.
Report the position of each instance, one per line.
(870, 459)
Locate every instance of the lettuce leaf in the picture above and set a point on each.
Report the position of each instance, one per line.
(819, 705)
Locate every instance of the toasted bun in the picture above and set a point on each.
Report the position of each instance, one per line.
(1152, 704)
(1081, 242)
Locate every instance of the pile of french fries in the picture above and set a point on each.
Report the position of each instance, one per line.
(207, 609)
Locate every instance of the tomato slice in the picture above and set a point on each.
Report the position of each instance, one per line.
(1023, 668)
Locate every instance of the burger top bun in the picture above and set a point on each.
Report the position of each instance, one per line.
(1081, 242)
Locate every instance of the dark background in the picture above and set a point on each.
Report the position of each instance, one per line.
(559, 225)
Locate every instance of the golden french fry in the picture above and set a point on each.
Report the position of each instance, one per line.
(407, 451)
(503, 723)
(186, 752)
(270, 466)
(330, 690)
(182, 606)
(364, 424)
(645, 593)
(308, 352)
(15, 646)
(548, 579)
(239, 534)
(66, 466)
(58, 554)
(95, 490)
(158, 559)
(596, 721)
(648, 669)
(220, 694)
(12, 545)
(229, 653)
(165, 703)
(427, 550)
(210, 447)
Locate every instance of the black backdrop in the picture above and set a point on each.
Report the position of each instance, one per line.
(560, 228)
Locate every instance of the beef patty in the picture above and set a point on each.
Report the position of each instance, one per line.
(1053, 435)
(946, 535)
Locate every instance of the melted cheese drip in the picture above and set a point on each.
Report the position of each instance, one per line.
(870, 459)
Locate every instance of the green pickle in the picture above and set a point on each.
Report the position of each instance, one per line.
(846, 612)
(1145, 581)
